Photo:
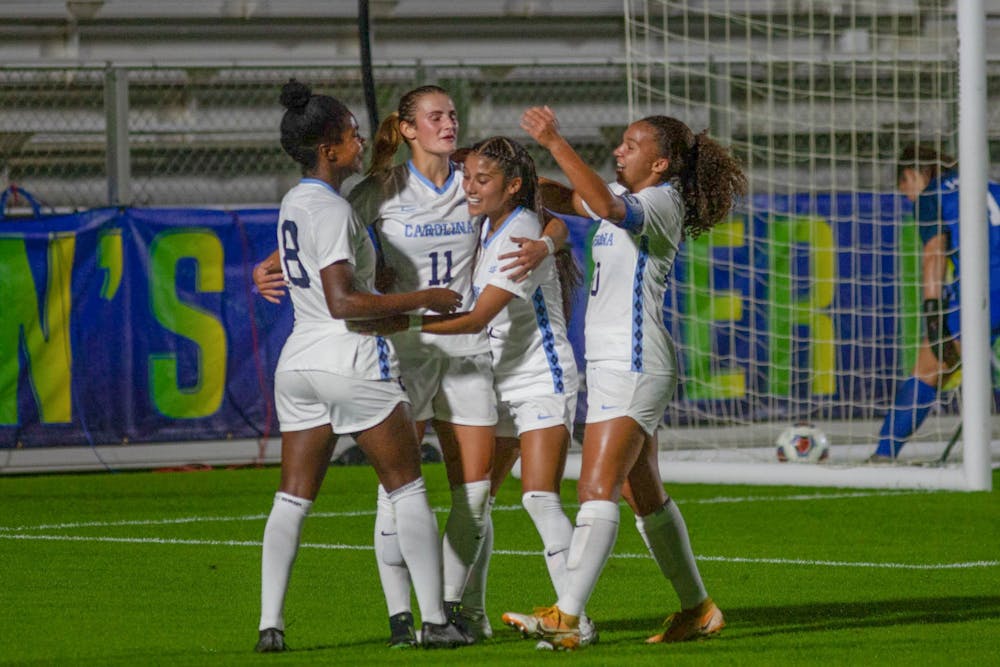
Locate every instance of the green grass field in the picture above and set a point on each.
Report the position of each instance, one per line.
(163, 568)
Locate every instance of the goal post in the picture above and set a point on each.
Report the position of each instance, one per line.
(805, 305)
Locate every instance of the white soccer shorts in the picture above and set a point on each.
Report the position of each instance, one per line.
(457, 390)
(615, 393)
(306, 399)
(533, 413)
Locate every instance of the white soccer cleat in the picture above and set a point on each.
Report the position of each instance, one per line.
(526, 624)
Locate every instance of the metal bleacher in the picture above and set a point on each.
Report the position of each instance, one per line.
(202, 80)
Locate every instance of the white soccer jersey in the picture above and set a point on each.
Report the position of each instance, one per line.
(317, 228)
(624, 323)
(531, 351)
(429, 240)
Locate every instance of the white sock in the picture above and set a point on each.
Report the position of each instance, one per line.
(392, 570)
(281, 543)
(463, 535)
(474, 597)
(556, 530)
(593, 539)
(421, 547)
(666, 536)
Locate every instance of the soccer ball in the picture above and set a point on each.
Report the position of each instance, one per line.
(803, 443)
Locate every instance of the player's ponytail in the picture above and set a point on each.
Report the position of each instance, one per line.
(709, 178)
(386, 143)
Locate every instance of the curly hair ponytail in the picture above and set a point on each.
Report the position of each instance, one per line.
(709, 178)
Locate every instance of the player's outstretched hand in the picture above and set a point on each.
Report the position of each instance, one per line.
(541, 123)
(269, 280)
(526, 258)
(442, 300)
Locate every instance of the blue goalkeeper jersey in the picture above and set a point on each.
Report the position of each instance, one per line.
(936, 212)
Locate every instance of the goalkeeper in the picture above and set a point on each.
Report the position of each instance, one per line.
(929, 179)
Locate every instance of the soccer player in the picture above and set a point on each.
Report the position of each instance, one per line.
(929, 179)
(534, 369)
(671, 183)
(426, 237)
(330, 380)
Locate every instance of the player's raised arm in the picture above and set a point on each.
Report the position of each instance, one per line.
(542, 125)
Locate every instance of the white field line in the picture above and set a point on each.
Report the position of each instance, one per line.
(441, 510)
(19, 533)
(509, 552)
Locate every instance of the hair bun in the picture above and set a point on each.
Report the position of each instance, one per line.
(295, 95)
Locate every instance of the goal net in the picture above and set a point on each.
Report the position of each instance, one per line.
(805, 305)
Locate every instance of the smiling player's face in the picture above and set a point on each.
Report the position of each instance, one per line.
(485, 190)
(636, 156)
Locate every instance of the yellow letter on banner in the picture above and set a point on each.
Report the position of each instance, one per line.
(189, 321)
(708, 307)
(788, 310)
(46, 337)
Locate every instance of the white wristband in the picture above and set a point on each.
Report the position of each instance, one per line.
(416, 323)
(550, 244)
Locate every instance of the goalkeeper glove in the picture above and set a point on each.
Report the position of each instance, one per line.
(938, 334)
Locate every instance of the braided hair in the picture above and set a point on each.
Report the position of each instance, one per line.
(515, 162)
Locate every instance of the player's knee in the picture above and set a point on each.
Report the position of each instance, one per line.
(588, 490)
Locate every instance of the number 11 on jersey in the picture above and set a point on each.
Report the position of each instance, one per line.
(446, 278)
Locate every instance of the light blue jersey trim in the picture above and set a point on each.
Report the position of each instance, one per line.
(635, 217)
(316, 181)
(637, 314)
(548, 340)
(488, 238)
(423, 179)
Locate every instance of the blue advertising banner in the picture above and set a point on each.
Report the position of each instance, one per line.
(140, 325)
(136, 326)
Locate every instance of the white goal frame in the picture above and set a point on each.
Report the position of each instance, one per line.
(974, 472)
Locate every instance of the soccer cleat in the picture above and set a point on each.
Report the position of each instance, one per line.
(879, 459)
(454, 612)
(526, 624)
(477, 624)
(588, 631)
(443, 635)
(588, 636)
(698, 622)
(559, 629)
(272, 640)
(401, 633)
(555, 629)
(529, 627)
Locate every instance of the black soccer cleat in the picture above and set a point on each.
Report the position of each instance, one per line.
(444, 635)
(401, 633)
(453, 612)
(272, 640)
